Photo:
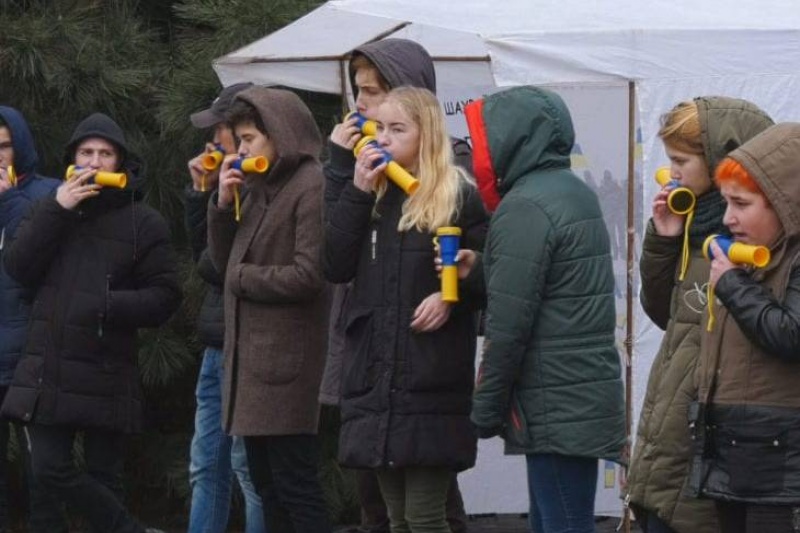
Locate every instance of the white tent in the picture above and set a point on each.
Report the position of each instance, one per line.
(619, 64)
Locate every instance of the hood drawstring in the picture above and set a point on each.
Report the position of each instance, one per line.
(685, 251)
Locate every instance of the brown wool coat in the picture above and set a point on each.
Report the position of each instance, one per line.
(276, 303)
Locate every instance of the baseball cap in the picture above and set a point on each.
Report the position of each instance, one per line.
(216, 113)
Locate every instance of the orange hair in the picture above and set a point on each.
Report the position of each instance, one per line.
(731, 171)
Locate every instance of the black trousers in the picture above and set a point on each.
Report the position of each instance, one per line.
(284, 470)
(374, 518)
(44, 512)
(736, 517)
(95, 494)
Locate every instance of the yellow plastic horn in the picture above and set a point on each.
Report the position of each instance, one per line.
(117, 180)
(738, 252)
(212, 160)
(394, 172)
(448, 240)
(12, 175)
(258, 164)
(680, 200)
(367, 126)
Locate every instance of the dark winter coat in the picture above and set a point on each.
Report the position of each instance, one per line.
(211, 319)
(550, 373)
(15, 300)
(405, 395)
(276, 299)
(401, 63)
(659, 473)
(747, 428)
(99, 272)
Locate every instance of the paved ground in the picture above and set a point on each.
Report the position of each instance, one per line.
(519, 524)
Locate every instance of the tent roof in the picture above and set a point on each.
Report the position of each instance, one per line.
(568, 41)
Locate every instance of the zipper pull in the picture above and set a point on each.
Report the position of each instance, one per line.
(374, 244)
(101, 317)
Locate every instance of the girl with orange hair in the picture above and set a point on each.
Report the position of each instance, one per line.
(747, 434)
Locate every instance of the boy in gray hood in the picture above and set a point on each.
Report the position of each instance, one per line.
(375, 69)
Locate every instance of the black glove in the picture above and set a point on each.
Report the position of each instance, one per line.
(487, 432)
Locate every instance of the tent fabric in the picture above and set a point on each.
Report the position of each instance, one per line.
(592, 51)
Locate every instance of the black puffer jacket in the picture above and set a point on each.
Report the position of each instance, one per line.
(99, 273)
(211, 320)
(406, 396)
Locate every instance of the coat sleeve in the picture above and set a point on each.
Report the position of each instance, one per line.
(517, 260)
(338, 170)
(660, 256)
(302, 279)
(196, 216)
(37, 240)
(766, 322)
(157, 293)
(222, 228)
(474, 223)
(345, 231)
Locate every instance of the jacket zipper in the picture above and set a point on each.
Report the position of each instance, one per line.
(101, 316)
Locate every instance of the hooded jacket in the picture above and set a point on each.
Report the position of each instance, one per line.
(748, 425)
(98, 273)
(276, 302)
(658, 477)
(550, 374)
(401, 62)
(15, 300)
(211, 317)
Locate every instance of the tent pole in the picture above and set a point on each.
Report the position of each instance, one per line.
(631, 243)
(343, 85)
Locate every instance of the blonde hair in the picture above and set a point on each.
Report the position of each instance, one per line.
(680, 128)
(436, 202)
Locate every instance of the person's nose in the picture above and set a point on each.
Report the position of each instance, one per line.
(728, 218)
(361, 106)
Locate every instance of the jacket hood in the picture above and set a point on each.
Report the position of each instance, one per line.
(96, 125)
(26, 159)
(773, 159)
(727, 123)
(400, 62)
(517, 132)
(288, 121)
(103, 126)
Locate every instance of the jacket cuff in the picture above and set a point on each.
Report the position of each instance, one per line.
(660, 243)
(341, 159)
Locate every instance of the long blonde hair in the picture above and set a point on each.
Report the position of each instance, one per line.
(436, 202)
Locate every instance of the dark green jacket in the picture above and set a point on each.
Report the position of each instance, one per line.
(550, 373)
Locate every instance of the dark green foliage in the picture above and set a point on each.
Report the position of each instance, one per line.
(147, 64)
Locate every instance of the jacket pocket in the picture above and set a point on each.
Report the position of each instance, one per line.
(516, 431)
(755, 456)
(359, 369)
(277, 352)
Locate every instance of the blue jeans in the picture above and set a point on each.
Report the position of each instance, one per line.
(215, 457)
(562, 491)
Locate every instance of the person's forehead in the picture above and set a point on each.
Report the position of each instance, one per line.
(5, 133)
(96, 143)
(367, 76)
(245, 127)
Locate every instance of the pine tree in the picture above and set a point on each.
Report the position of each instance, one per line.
(147, 64)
